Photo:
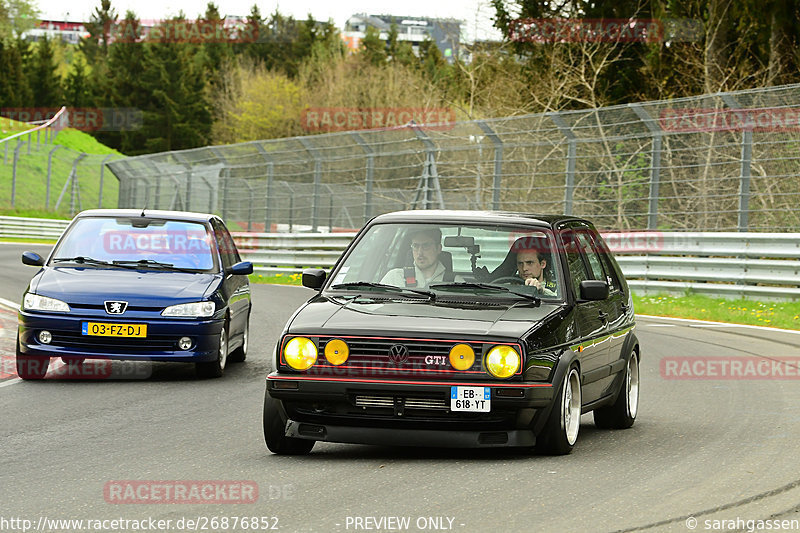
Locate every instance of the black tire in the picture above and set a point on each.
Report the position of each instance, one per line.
(560, 432)
(240, 353)
(622, 413)
(275, 434)
(31, 366)
(215, 369)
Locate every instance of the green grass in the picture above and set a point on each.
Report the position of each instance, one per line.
(785, 315)
(33, 241)
(82, 142)
(33, 213)
(278, 279)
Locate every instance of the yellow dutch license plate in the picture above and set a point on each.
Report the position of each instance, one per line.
(104, 329)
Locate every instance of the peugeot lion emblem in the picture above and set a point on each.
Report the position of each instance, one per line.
(398, 354)
(115, 308)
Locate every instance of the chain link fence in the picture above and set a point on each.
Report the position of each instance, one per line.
(38, 174)
(723, 162)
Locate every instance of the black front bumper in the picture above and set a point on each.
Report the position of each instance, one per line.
(406, 413)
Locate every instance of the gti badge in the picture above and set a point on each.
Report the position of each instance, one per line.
(398, 354)
(115, 308)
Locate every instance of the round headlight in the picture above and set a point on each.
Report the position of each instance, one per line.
(502, 361)
(336, 351)
(462, 356)
(300, 353)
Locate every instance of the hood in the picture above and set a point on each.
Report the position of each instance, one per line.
(138, 288)
(324, 316)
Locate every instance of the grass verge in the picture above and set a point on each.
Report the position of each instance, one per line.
(278, 279)
(785, 315)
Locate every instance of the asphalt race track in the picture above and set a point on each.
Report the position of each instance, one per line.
(702, 450)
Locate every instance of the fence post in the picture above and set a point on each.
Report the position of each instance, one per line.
(14, 174)
(743, 222)
(314, 153)
(655, 161)
(227, 171)
(185, 163)
(370, 175)
(268, 199)
(157, 176)
(72, 177)
(429, 181)
(498, 163)
(569, 179)
(5, 158)
(49, 176)
(102, 171)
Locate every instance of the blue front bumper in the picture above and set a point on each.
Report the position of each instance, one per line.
(160, 344)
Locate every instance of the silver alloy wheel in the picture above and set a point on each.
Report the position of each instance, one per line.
(223, 348)
(632, 385)
(571, 403)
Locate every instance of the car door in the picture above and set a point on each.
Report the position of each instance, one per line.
(592, 327)
(235, 288)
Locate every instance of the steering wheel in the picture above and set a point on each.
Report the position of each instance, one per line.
(511, 280)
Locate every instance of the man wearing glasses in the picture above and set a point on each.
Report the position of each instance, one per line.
(426, 246)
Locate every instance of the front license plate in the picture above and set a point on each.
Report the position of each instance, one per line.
(476, 399)
(104, 329)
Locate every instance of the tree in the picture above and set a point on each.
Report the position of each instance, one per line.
(16, 17)
(76, 91)
(101, 27)
(217, 50)
(177, 115)
(373, 48)
(44, 82)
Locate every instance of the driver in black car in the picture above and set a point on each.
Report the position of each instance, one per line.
(531, 267)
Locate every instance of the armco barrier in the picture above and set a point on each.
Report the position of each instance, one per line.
(752, 265)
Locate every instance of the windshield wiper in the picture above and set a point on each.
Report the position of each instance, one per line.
(485, 286)
(151, 263)
(369, 284)
(81, 260)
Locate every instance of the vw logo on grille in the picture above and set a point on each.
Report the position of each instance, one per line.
(115, 308)
(398, 354)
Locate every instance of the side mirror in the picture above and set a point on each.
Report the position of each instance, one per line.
(314, 278)
(241, 269)
(32, 259)
(594, 289)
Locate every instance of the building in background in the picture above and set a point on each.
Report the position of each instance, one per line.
(69, 32)
(446, 33)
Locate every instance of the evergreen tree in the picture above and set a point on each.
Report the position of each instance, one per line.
(177, 115)
(101, 27)
(45, 83)
(217, 50)
(77, 91)
(373, 48)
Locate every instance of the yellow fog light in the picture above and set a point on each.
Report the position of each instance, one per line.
(462, 356)
(300, 353)
(336, 351)
(502, 361)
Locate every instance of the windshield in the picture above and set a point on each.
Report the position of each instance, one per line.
(480, 260)
(149, 243)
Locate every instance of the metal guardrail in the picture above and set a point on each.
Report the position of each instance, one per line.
(31, 228)
(752, 265)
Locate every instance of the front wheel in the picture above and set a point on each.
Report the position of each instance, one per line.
(240, 353)
(215, 369)
(275, 432)
(561, 429)
(622, 413)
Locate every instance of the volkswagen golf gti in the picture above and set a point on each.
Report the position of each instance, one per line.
(460, 329)
(136, 285)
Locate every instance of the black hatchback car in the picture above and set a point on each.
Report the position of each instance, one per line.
(462, 329)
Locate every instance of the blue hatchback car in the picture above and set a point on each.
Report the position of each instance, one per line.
(137, 285)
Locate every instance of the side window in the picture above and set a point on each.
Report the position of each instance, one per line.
(224, 249)
(592, 256)
(605, 256)
(575, 263)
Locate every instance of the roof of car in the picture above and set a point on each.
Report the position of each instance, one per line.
(149, 213)
(445, 215)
